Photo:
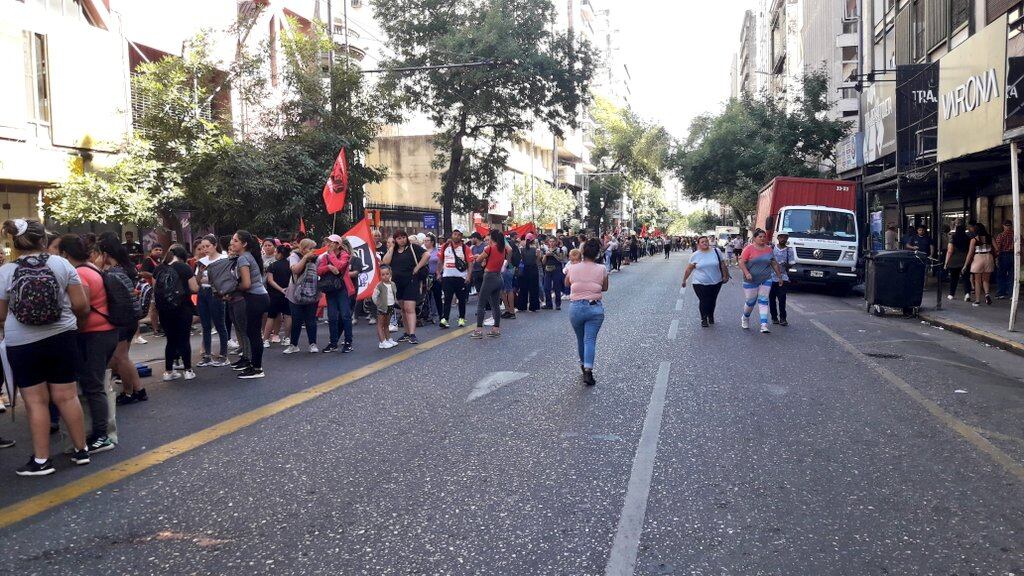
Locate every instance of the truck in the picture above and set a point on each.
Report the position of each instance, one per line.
(725, 233)
(819, 217)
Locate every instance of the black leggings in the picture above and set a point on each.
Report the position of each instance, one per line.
(255, 306)
(436, 294)
(777, 301)
(955, 276)
(177, 324)
(707, 294)
(454, 287)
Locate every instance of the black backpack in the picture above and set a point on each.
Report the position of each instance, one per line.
(168, 293)
(516, 256)
(122, 306)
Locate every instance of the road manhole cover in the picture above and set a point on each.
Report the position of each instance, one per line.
(884, 355)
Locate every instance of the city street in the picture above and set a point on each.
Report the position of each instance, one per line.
(841, 444)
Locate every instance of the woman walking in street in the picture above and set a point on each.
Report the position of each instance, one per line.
(784, 255)
(212, 312)
(956, 256)
(257, 300)
(172, 293)
(587, 282)
(406, 261)
(981, 263)
(757, 261)
(709, 271)
(493, 260)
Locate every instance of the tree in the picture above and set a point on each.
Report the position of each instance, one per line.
(532, 75)
(627, 151)
(728, 157)
(540, 203)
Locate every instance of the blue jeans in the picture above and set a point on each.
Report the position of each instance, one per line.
(211, 315)
(1004, 274)
(586, 322)
(303, 314)
(554, 281)
(338, 309)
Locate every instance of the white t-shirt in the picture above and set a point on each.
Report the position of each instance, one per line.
(449, 270)
(391, 294)
(16, 333)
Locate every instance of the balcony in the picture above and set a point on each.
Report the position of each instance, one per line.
(567, 175)
(847, 40)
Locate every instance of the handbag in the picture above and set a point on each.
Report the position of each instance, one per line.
(460, 264)
(330, 282)
(223, 275)
(719, 256)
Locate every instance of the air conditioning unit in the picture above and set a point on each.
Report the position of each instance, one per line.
(357, 3)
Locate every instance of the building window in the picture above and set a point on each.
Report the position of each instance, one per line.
(917, 47)
(959, 14)
(73, 9)
(37, 78)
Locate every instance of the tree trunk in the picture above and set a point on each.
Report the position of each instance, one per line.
(451, 179)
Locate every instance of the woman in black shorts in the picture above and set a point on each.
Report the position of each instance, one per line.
(113, 258)
(406, 260)
(39, 319)
(278, 315)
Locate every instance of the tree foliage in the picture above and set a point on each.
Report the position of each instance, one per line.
(541, 203)
(729, 156)
(534, 76)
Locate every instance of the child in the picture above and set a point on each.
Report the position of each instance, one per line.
(384, 299)
(575, 257)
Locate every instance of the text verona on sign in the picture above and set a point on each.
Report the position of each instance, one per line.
(977, 90)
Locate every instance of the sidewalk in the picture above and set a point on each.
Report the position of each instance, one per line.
(983, 323)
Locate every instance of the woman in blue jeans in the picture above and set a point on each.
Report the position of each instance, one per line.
(587, 282)
(302, 302)
(339, 316)
(212, 311)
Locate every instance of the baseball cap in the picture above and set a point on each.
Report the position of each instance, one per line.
(334, 238)
(530, 236)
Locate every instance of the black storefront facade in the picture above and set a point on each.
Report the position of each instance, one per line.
(945, 151)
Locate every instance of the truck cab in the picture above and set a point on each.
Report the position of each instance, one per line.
(825, 240)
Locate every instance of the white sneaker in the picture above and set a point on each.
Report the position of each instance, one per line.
(355, 320)
(189, 375)
(233, 344)
(286, 341)
(313, 349)
(393, 328)
(391, 343)
(950, 297)
(489, 321)
(371, 321)
(172, 375)
(383, 345)
(764, 329)
(179, 365)
(745, 323)
(967, 297)
(291, 349)
(266, 343)
(140, 340)
(220, 362)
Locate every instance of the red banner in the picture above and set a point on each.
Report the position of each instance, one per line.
(643, 231)
(482, 230)
(361, 239)
(337, 185)
(524, 229)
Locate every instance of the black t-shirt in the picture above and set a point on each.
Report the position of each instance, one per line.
(281, 272)
(403, 263)
(134, 248)
(185, 273)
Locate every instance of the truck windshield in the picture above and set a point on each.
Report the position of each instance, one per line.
(823, 224)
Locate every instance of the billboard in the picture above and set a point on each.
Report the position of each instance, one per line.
(879, 120)
(917, 114)
(849, 153)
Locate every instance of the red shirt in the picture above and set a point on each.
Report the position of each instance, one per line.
(495, 258)
(93, 283)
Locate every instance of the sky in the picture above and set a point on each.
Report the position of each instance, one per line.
(679, 53)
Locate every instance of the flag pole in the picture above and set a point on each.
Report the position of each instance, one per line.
(334, 223)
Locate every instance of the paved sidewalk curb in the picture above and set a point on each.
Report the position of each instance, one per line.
(975, 334)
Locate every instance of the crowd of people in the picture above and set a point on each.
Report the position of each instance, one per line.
(72, 306)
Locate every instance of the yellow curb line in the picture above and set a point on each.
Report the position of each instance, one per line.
(57, 496)
(975, 334)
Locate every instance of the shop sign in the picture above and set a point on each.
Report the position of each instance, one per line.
(849, 153)
(917, 109)
(972, 82)
(879, 120)
(1015, 84)
(430, 221)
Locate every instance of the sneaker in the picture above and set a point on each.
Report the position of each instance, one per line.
(80, 457)
(5, 443)
(140, 340)
(233, 344)
(764, 329)
(704, 323)
(745, 323)
(123, 399)
(275, 339)
(204, 362)
(239, 365)
(383, 345)
(506, 315)
(588, 377)
(489, 322)
(412, 339)
(313, 349)
(291, 349)
(371, 321)
(172, 375)
(462, 322)
(1001, 297)
(950, 297)
(476, 334)
(391, 343)
(355, 321)
(775, 320)
(266, 343)
(975, 304)
(140, 395)
(189, 375)
(219, 362)
(393, 328)
(346, 348)
(33, 468)
(251, 373)
(443, 324)
(159, 334)
(404, 338)
(330, 348)
(783, 323)
(179, 365)
(286, 341)
(967, 297)
(101, 444)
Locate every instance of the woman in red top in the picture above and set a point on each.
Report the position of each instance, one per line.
(97, 339)
(336, 262)
(493, 259)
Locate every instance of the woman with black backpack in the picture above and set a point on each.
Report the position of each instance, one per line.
(113, 259)
(172, 293)
(41, 298)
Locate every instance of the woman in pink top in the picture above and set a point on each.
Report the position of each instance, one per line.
(587, 282)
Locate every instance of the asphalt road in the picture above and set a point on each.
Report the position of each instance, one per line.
(838, 445)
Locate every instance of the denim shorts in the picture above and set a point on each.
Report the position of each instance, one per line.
(508, 280)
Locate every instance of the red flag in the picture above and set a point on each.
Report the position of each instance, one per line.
(337, 185)
(482, 230)
(302, 225)
(361, 239)
(643, 231)
(524, 229)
